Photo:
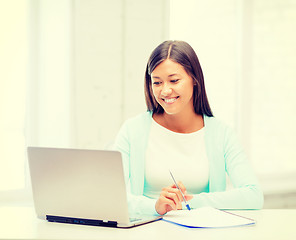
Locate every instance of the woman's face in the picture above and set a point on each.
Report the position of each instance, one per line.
(172, 87)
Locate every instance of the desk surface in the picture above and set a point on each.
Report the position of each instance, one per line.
(21, 223)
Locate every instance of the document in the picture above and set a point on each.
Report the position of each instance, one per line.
(206, 217)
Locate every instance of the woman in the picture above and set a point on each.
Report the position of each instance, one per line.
(178, 133)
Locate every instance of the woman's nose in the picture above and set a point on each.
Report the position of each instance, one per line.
(166, 90)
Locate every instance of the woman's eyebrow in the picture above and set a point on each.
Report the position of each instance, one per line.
(171, 75)
(174, 74)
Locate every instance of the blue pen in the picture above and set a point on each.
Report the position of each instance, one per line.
(187, 205)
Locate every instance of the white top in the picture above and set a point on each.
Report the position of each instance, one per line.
(182, 153)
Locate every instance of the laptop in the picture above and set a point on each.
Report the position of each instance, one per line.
(81, 187)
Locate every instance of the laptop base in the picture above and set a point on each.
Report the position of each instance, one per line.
(81, 221)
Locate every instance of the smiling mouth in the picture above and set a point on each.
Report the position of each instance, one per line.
(170, 100)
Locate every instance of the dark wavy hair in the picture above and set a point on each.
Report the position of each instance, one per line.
(182, 53)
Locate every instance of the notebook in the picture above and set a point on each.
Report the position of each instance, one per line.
(207, 217)
(81, 187)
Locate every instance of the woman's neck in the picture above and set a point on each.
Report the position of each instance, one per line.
(180, 123)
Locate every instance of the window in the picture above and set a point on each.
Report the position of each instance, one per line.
(34, 93)
(13, 76)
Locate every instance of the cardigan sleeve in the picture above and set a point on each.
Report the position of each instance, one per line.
(137, 204)
(246, 193)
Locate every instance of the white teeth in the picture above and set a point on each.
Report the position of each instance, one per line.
(170, 100)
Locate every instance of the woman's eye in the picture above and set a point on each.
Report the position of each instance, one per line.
(175, 80)
(156, 83)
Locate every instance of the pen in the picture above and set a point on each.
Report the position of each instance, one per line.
(187, 205)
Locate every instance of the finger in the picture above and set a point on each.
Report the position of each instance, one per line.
(182, 187)
(163, 205)
(173, 196)
(177, 192)
(188, 197)
(168, 202)
(165, 189)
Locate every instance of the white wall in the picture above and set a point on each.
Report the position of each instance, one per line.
(248, 54)
(273, 98)
(49, 82)
(87, 67)
(13, 76)
(112, 42)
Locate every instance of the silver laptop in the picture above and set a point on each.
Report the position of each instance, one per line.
(81, 187)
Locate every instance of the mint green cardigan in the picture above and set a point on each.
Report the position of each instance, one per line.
(225, 156)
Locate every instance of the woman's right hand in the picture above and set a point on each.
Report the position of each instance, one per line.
(171, 199)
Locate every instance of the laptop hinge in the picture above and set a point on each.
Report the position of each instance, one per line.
(81, 221)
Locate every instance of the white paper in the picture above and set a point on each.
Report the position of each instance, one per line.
(207, 217)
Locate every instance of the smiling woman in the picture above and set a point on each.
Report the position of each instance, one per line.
(185, 64)
(178, 131)
(175, 76)
(172, 88)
